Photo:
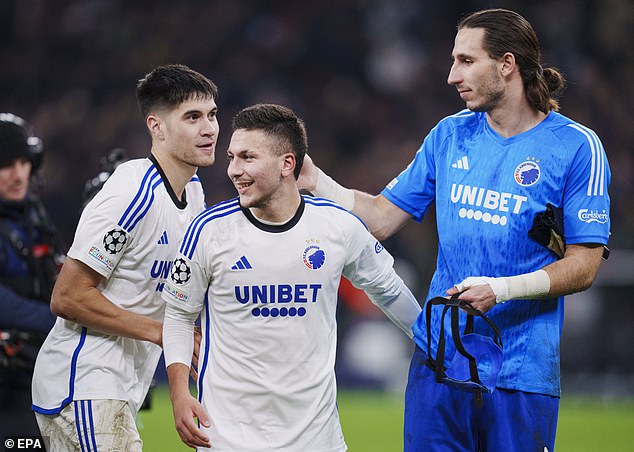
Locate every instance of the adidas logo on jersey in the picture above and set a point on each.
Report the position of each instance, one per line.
(462, 164)
(242, 264)
(163, 240)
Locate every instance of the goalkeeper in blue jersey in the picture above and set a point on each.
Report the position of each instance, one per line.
(491, 170)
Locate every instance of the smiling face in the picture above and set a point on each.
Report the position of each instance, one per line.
(261, 172)
(474, 73)
(189, 132)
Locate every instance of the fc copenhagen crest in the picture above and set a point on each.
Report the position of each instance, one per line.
(527, 173)
(314, 257)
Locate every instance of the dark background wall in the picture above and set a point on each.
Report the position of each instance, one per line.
(367, 76)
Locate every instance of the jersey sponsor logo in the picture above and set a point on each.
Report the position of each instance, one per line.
(114, 240)
(180, 271)
(278, 312)
(277, 293)
(481, 201)
(462, 163)
(160, 269)
(101, 257)
(591, 216)
(314, 257)
(527, 173)
(265, 298)
(176, 293)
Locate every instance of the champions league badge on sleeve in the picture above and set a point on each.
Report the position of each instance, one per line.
(114, 240)
(527, 173)
(180, 272)
(314, 257)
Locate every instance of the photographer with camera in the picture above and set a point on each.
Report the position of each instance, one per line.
(29, 259)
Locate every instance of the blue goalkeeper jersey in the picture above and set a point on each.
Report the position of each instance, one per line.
(487, 190)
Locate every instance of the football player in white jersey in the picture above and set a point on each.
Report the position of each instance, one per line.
(96, 365)
(262, 271)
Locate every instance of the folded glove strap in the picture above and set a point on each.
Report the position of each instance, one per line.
(455, 334)
(438, 364)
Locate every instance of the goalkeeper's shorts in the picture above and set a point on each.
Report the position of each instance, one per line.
(439, 417)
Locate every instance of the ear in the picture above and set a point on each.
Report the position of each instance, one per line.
(507, 64)
(155, 126)
(288, 164)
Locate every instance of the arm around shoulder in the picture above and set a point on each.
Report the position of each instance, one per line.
(382, 218)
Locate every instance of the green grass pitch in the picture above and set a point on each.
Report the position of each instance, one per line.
(372, 422)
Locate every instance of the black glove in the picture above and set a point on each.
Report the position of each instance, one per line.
(548, 229)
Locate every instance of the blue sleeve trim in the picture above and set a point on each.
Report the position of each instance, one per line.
(71, 382)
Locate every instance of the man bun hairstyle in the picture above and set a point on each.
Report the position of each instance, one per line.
(279, 122)
(507, 31)
(16, 141)
(170, 85)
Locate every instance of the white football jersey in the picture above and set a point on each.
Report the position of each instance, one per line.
(128, 233)
(267, 297)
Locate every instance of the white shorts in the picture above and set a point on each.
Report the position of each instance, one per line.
(91, 425)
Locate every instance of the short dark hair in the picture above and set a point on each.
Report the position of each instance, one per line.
(508, 31)
(279, 122)
(170, 85)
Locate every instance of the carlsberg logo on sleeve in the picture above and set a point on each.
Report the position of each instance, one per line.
(589, 216)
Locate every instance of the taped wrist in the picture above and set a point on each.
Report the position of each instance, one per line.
(178, 336)
(526, 286)
(327, 187)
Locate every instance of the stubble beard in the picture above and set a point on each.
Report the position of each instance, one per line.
(492, 92)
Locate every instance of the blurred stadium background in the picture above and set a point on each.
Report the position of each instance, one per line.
(368, 77)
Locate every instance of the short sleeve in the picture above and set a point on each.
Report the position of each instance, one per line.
(415, 188)
(586, 201)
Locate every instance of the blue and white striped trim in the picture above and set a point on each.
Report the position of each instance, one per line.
(323, 202)
(142, 200)
(71, 380)
(204, 355)
(463, 113)
(85, 425)
(190, 240)
(315, 201)
(596, 183)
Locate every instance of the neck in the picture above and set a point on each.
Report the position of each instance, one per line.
(178, 173)
(513, 116)
(279, 209)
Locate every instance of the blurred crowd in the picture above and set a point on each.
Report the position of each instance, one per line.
(367, 76)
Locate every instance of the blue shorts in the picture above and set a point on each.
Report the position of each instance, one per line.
(442, 418)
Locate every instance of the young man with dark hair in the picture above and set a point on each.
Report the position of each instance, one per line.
(96, 365)
(262, 271)
(491, 170)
